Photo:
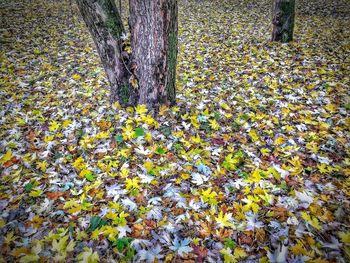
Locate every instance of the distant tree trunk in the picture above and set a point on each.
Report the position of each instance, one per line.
(147, 75)
(283, 20)
(153, 26)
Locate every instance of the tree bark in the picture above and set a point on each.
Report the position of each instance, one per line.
(283, 20)
(153, 26)
(147, 75)
(106, 27)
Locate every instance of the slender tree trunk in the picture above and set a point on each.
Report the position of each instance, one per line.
(106, 27)
(153, 25)
(283, 20)
(147, 75)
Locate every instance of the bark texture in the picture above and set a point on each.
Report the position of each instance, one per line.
(153, 26)
(148, 77)
(106, 27)
(283, 20)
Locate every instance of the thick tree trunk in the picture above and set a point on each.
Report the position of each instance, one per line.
(283, 20)
(153, 26)
(106, 27)
(148, 77)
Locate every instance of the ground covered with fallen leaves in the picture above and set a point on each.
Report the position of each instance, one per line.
(251, 165)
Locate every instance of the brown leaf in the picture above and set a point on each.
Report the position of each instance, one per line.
(31, 136)
(217, 141)
(205, 231)
(54, 195)
(11, 162)
(260, 235)
(104, 125)
(244, 239)
(201, 253)
(291, 182)
(150, 223)
(223, 233)
(281, 213)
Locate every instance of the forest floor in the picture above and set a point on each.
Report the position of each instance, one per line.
(251, 165)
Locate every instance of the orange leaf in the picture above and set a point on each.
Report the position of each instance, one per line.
(11, 162)
(54, 195)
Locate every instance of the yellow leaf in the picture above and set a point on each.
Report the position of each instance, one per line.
(163, 109)
(265, 151)
(228, 257)
(128, 132)
(132, 183)
(239, 253)
(313, 221)
(195, 122)
(225, 106)
(209, 196)
(344, 236)
(185, 176)
(148, 165)
(298, 249)
(141, 109)
(81, 235)
(2, 223)
(214, 125)
(253, 135)
(60, 245)
(9, 237)
(196, 139)
(29, 258)
(76, 77)
(20, 251)
(264, 260)
(124, 172)
(148, 120)
(279, 140)
(66, 123)
(124, 152)
(42, 165)
(255, 176)
(102, 135)
(123, 214)
(6, 157)
(33, 256)
(20, 122)
(48, 138)
(54, 125)
(79, 163)
(35, 193)
(88, 256)
(223, 220)
(251, 203)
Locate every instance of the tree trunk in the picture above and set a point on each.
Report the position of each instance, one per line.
(283, 20)
(153, 25)
(147, 75)
(106, 27)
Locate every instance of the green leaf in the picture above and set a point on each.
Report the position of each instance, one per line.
(28, 187)
(160, 150)
(118, 138)
(134, 192)
(122, 243)
(139, 132)
(243, 174)
(229, 243)
(90, 176)
(96, 222)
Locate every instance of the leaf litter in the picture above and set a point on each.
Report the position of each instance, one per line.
(251, 165)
